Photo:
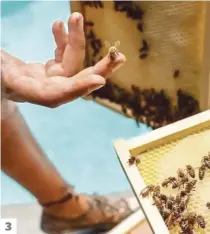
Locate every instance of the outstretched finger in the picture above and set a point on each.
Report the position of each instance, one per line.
(74, 54)
(61, 39)
(106, 67)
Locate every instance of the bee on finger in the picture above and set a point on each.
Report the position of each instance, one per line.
(113, 51)
(201, 221)
(201, 172)
(190, 171)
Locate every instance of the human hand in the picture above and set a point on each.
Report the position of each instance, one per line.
(60, 80)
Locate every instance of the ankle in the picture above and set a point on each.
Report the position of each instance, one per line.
(73, 207)
(60, 195)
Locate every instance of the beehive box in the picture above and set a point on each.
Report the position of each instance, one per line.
(162, 152)
(167, 46)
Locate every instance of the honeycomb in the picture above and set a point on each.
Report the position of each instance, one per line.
(174, 31)
(164, 161)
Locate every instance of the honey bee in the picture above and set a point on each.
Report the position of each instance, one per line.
(165, 213)
(190, 171)
(186, 229)
(163, 198)
(172, 179)
(182, 206)
(208, 205)
(181, 174)
(201, 221)
(201, 172)
(147, 191)
(206, 162)
(133, 160)
(157, 202)
(176, 73)
(190, 186)
(169, 204)
(175, 185)
(170, 220)
(156, 190)
(183, 181)
(113, 51)
(192, 218)
(166, 182)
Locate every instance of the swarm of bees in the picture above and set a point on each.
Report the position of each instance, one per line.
(113, 51)
(173, 209)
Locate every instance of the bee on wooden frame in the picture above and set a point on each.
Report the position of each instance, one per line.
(147, 191)
(208, 205)
(113, 51)
(133, 160)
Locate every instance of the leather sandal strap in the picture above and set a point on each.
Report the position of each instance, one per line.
(65, 198)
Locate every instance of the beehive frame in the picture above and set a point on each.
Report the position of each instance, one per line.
(132, 147)
(204, 83)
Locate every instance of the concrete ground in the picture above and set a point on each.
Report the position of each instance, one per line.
(28, 216)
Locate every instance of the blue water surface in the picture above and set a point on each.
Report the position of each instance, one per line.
(77, 137)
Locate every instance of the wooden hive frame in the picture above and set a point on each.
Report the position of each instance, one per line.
(133, 147)
(204, 85)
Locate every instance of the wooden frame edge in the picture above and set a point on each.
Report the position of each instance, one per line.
(130, 223)
(170, 131)
(205, 77)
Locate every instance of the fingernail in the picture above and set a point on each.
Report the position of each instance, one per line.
(79, 19)
(80, 23)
